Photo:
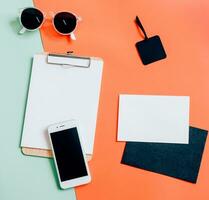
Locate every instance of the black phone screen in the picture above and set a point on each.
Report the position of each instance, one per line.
(68, 153)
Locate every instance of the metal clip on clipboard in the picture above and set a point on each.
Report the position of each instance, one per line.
(69, 60)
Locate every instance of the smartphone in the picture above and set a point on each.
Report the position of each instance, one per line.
(69, 157)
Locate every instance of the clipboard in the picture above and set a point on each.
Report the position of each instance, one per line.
(62, 87)
(43, 153)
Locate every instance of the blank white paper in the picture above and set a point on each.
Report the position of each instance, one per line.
(58, 94)
(147, 118)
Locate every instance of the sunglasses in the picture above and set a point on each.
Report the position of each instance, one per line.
(64, 23)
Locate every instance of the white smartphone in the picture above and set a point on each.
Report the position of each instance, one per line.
(69, 157)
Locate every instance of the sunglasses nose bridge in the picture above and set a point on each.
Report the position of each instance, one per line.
(50, 14)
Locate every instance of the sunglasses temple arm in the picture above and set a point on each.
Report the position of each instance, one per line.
(79, 18)
(72, 35)
(22, 31)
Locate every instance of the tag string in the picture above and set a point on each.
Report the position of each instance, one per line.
(138, 22)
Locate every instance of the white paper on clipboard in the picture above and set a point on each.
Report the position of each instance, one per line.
(57, 94)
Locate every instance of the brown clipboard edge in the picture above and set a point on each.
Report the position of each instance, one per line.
(43, 153)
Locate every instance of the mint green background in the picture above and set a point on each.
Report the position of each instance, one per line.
(21, 177)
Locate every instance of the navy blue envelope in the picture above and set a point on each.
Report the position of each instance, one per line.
(181, 161)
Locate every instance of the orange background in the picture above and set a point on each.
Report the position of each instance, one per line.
(108, 31)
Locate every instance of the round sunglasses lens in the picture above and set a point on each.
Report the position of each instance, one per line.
(32, 18)
(65, 22)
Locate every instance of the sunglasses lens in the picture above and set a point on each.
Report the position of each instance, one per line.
(65, 22)
(31, 18)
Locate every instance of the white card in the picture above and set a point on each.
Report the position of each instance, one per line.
(146, 118)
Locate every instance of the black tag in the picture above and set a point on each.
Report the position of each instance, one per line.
(149, 49)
